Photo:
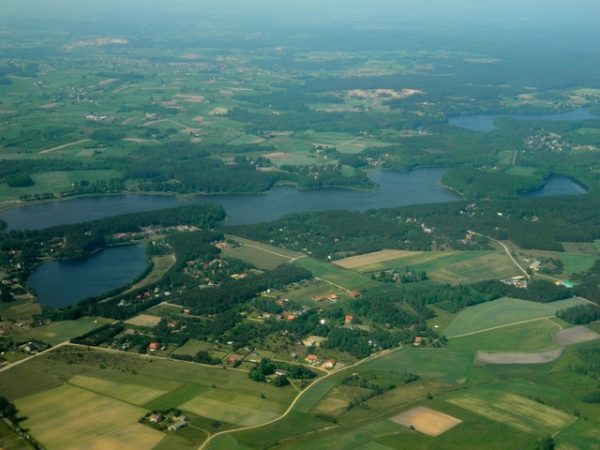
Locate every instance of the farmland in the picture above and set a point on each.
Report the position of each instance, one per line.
(345, 279)
(261, 255)
(502, 312)
(57, 332)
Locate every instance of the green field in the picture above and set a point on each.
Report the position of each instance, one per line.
(335, 275)
(228, 412)
(492, 266)
(502, 312)
(192, 347)
(57, 332)
(522, 171)
(422, 259)
(498, 403)
(447, 365)
(130, 393)
(313, 395)
(536, 336)
(577, 263)
(261, 257)
(67, 416)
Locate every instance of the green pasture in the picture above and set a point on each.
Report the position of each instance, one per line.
(594, 326)
(130, 393)
(246, 139)
(577, 263)
(217, 410)
(500, 403)
(265, 247)
(177, 396)
(502, 312)
(427, 261)
(336, 275)
(67, 416)
(582, 435)
(192, 347)
(492, 266)
(57, 332)
(20, 310)
(313, 395)
(522, 171)
(260, 257)
(10, 439)
(447, 365)
(536, 336)
(442, 319)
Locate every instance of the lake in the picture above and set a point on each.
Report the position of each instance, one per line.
(556, 186)
(485, 122)
(396, 189)
(62, 283)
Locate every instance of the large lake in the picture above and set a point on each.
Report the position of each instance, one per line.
(485, 122)
(62, 283)
(396, 189)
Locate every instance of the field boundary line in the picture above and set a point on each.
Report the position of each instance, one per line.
(502, 326)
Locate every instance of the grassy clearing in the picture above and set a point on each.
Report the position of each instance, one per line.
(236, 414)
(494, 265)
(594, 326)
(144, 320)
(314, 394)
(451, 366)
(20, 310)
(130, 393)
(521, 171)
(57, 332)
(328, 272)
(504, 311)
(62, 417)
(442, 319)
(192, 347)
(161, 265)
(534, 336)
(266, 248)
(576, 263)
(513, 410)
(261, 258)
(355, 262)
(247, 401)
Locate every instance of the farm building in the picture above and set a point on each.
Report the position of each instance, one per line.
(330, 364)
(177, 425)
(153, 346)
(312, 359)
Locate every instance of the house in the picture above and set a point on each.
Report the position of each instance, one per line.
(177, 425)
(156, 418)
(355, 294)
(291, 317)
(282, 373)
(419, 340)
(312, 359)
(330, 364)
(348, 319)
(153, 346)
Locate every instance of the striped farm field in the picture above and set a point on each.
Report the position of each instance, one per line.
(226, 412)
(515, 410)
(367, 259)
(130, 393)
(69, 416)
(336, 275)
(314, 394)
(536, 336)
(491, 266)
(502, 312)
(133, 437)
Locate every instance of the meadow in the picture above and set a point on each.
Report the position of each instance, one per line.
(502, 312)
(57, 332)
(345, 279)
(492, 266)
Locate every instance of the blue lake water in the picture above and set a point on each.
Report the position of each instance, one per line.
(556, 186)
(62, 283)
(485, 122)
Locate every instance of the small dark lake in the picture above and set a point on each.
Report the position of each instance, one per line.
(485, 122)
(556, 186)
(62, 283)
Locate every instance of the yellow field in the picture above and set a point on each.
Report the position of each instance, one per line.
(144, 320)
(69, 416)
(373, 258)
(133, 437)
(427, 421)
(130, 393)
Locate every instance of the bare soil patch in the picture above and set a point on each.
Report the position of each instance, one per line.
(190, 98)
(7, 111)
(136, 140)
(218, 112)
(372, 258)
(126, 121)
(50, 105)
(63, 146)
(198, 119)
(144, 320)
(575, 335)
(124, 87)
(427, 421)
(519, 358)
(107, 81)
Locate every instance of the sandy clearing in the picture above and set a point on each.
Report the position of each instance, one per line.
(519, 358)
(218, 112)
(63, 146)
(124, 87)
(372, 258)
(126, 121)
(195, 140)
(136, 140)
(50, 105)
(169, 103)
(159, 88)
(190, 56)
(147, 124)
(144, 320)
(427, 421)
(198, 119)
(7, 111)
(226, 92)
(190, 98)
(278, 155)
(575, 335)
(107, 81)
